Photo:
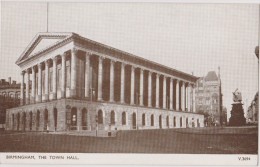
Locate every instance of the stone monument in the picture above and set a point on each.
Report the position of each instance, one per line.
(237, 113)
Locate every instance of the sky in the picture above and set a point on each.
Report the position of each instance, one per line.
(194, 38)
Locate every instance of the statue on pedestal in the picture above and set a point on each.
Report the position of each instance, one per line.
(237, 113)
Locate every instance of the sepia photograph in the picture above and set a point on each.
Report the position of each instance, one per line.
(130, 81)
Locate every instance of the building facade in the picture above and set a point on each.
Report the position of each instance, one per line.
(9, 98)
(209, 99)
(253, 109)
(80, 84)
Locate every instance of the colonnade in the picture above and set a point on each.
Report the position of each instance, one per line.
(181, 92)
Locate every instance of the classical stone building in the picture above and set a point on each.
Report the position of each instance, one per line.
(80, 84)
(209, 99)
(253, 110)
(9, 98)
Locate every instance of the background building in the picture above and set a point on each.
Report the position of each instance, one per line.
(9, 97)
(253, 109)
(209, 99)
(80, 84)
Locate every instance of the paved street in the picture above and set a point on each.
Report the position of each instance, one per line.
(205, 140)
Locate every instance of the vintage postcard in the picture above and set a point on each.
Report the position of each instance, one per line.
(129, 83)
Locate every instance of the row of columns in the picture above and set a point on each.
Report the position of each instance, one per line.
(39, 67)
(185, 91)
(185, 96)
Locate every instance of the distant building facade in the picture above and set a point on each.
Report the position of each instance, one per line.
(9, 98)
(253, 110)
(208, 97)
(80, 84)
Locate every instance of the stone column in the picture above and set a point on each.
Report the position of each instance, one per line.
(193, 99)
(46, 80)
(87, 75)
(33, 86)
(22, 89)
(54, 78)
(27, 86)
(164, 92)
(112, 78)
(40, 82)
(183, 97)
(132, 85)
(100, 78)
(149, 89)
(79, 120)
(141, 87)
(63, 75)
(188, 101)
(157, 91)
(122, 91)
(73, 78)
(177, 95)
(171, 94)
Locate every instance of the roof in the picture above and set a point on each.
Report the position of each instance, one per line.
(44, 42)
(211, 76)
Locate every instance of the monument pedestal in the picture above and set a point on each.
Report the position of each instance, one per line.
(237, 115)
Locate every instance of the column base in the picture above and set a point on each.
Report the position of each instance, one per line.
(39, 98)
(99, 99)
(73, 93)
(54, 96)
(111, 101)
(27, 100)
(32, 101)
(46, 97)
(63, 94)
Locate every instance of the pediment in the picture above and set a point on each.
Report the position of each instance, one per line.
(41, 42)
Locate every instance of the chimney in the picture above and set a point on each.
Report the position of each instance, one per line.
(9, 79)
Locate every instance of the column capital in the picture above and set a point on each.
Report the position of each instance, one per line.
(123, 64)
(47, 62)
(133, 67)
(39, 66)
(55, 59)
(112, 61)
(28, 70)
(74, 50)
(64, 54)
(34, 68)
(101, 58)
(158, 75)
(22, 72)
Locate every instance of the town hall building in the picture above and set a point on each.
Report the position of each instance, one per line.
(74, 83)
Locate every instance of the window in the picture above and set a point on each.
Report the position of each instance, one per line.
(43, 82)
(123, 118)
(50, 80)
(112, 118)
(152, 120)
(174, 121)
(100, 117)
(181, 122)
(167, 121)
(67, 75)
(143, 119)
(59, 79)
(36, 83)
